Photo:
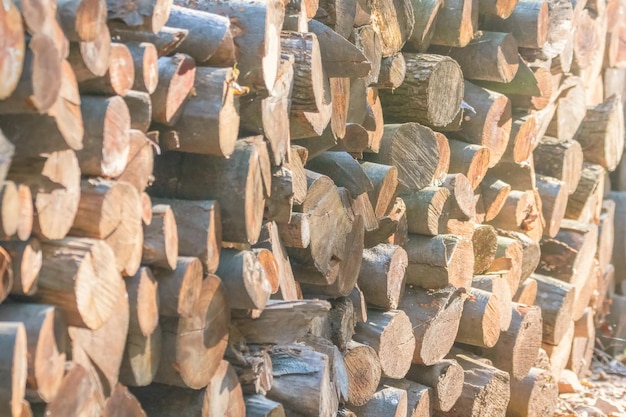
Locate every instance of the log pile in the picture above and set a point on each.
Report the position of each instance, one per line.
(307, 208)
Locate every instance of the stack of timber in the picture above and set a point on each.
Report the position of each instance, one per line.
(308, 208)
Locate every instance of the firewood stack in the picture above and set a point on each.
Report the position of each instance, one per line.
(307, 208)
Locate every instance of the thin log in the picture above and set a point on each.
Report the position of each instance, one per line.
(499, 287)
(26, 261)
(480, 320)
(444, 377)
(14, 367)
(528, 23)
(176, 79)
(364, 373)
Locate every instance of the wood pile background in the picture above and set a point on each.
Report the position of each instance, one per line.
(308, 208)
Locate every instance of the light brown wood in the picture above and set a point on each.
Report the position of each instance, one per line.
(15, 47)
(176, 79)
(559, 355)
(382, 275)
(480, 320)
(456, 23)
(259, 406)
(583, 344)
(428, 210)
(499, 287)
(435, 316)
(554, 201)
(445, 378)
(122, 401)
(160, 243)
(364, 373)
(533, 396)
(570, 110)
(192, 346)
(25, 261)
(470, 160)
(81, 20)
(143, 300)
(425, 13)
(180, 288)
(527, 292)
(528, 23)
(138, 170)
(253, 367)
(561, 159)
(485, 244)
(430, 81)
(166, 41)
(145, 60)
(245, 279)
(556, 299)
(392, 72)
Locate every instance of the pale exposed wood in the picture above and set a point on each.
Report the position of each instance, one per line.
(570, 110)
(176, 79)
(559, 355)
(364, 372)
(499, 287)
(25, 261)
(480, 320)
(554, 201)
(463, 204)
(435, 316)
(561, 159)
(160, 243)
(138, 170)
(369, 40)
(394, 22)
(141, 355)
(119, 77)
(528, 23)
(338, 15)
(392, 72)
(444, 377)
(382, 275)
(485, 243)
(425, 17)
(456, 23)
(259, 406)
(431, 93)
(470, 160)
(556, 299)
(81, 20)
(143, 300)
(14, 47)
(583, 344)
(527, 292)
(145, 61)
(180, 288)
(533, 396)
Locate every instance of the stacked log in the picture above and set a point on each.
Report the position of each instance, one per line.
(307, 208)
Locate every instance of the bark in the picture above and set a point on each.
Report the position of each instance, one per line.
(444, 377)
(456, 23)
(176, 79)
(561, 159)
(528, 23)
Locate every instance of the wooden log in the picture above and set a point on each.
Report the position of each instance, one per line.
(25, 262)
(103, 348)
(554, 201)
(143, 300)
(160, 243)
(489, 57)
(499, 287)
(213, 110)
(90, 59)
(439, 261)
(485, 244)
(146, 209)
(420, 97)
(369, 41)
(583, 344)
(46, 359)
(392, 72)
(304, 124)
(520, 214)
(146, 63)
(119, 77)
(382, 275)
(35, 93)
(344, 170)
(388, 401)
(491, 125)
(389, 334)
(480, 320)
(54, 206)
(122, 401)
(559, 354)
(140, 109)
(339, 373)
(180, 288)
(560, 159)
(363, 368)
(528, 23)
(419, 397)
(435, 316)
(584, 203)
(288, 362)
(138, 170)
(527, 292)
(245, 279)
(533, 396)
(556, 299)
(456, 23)
(485, 390)
(445, 378)
(178, 179)
(394, 22)
(619, 197)
(176, 79)
(296, 316)
(463, 205)
(259, 406)
(210, 40)
(308, 88)
(470, 160)
(428, 210)
(523, 138)
(413, 150)
(606, 234)
(339, 16)
(9, 209)
(192, 346)
(253, 367)
(199, 229)
(74, 268)
(259, 25)
(570, 111)
(384, 178)
(14, 367)
(601, 133)
(425, 17)
(80, 392)
(26, 212)
(152, 15)
(142, 353)
(14, 47)
(166, 41)
(339, 90)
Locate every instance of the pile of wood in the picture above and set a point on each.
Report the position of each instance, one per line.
(307, 208)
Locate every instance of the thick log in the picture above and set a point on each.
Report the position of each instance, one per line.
(430, 81)
(180, 176)
(425, 17)
(166, 41)
(508, 261)
(485, 392)
(520, 214)
(570, 110)
(499, 287)
(533, 396)
(180, 288)
(480, 320)
(46, 358)
(554, 202)
(209, 121)
(308, 87)
(363, 368)
(142, 353)
(176, 79)
(419, 397)
(339, 373)
(245, 279)
(316, 395)
(160, 243)
(560, 159)
(258, 24)
(146, 63)
(14, 367)
(75, 269)
(119, 77)
(25, 262)
(210, 40)
(392, 72)
(394, 22)
(489, 57)
(143, 300)
(90, 59)
(428, 210)
(445, 378)
(282, 322)
(439, 261)
(382, 275)
(528, 23)
(14, 47)
(470, 160)
(435, 316)
(584, 203)
(556, 299)
(523, 138)
(384, 178)
(413, 150)
(54, 206)
(193, 346)
(463, 204)
(344, 170)
(103, 348)
(490, 126)
(388, 401)
(199, 229)
(369, 41)
(601, 133)
(390, 335)
(456, 23)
